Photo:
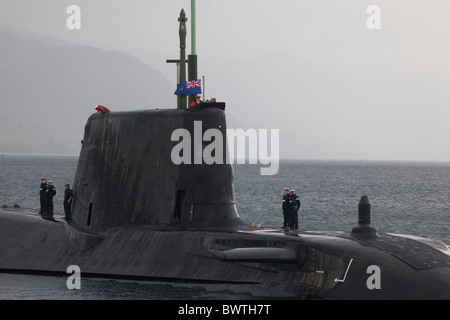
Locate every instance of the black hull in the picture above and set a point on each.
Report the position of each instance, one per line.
(325, 265)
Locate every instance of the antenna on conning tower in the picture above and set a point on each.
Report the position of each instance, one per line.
(192, 58)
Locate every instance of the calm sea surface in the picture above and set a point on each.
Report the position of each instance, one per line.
(406, 197)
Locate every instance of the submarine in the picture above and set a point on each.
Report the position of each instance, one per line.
(138, 215)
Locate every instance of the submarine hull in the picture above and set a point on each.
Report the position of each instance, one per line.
(307, 265)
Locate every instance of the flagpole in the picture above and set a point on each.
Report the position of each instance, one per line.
(203, 81)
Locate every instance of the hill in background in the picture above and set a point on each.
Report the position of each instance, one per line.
(48, 89)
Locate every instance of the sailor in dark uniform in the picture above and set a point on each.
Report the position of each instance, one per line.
(43, 196)
(294, 204)
(51, 192)
(68, 196)
(285, 207)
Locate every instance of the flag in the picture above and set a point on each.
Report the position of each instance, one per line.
(189, 88)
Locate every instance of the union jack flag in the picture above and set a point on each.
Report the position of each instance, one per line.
(189, 88)
(194, 83)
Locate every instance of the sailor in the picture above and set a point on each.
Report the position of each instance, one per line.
(196, 102)
(43, 196)
(68, 196)
(102, 109)
(285, 207)
(294, 205)
(51, 191)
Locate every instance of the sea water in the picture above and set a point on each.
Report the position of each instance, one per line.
(406, 198)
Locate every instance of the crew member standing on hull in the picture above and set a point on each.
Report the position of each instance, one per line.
(68, 196)
(43, 196)
(51, 192)
(285, 207)
(294, 204)
(102, 109)
(196, 102)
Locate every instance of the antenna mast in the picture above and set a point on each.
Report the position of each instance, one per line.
(192, 58)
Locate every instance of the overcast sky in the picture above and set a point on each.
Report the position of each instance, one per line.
(313, 69)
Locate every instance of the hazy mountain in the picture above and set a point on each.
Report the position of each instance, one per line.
(48, 89)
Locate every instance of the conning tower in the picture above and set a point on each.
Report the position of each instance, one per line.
(125, 174)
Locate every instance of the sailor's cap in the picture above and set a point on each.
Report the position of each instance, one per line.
(43, 179)
(292, 190)
(286, 189)
(50, 181)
